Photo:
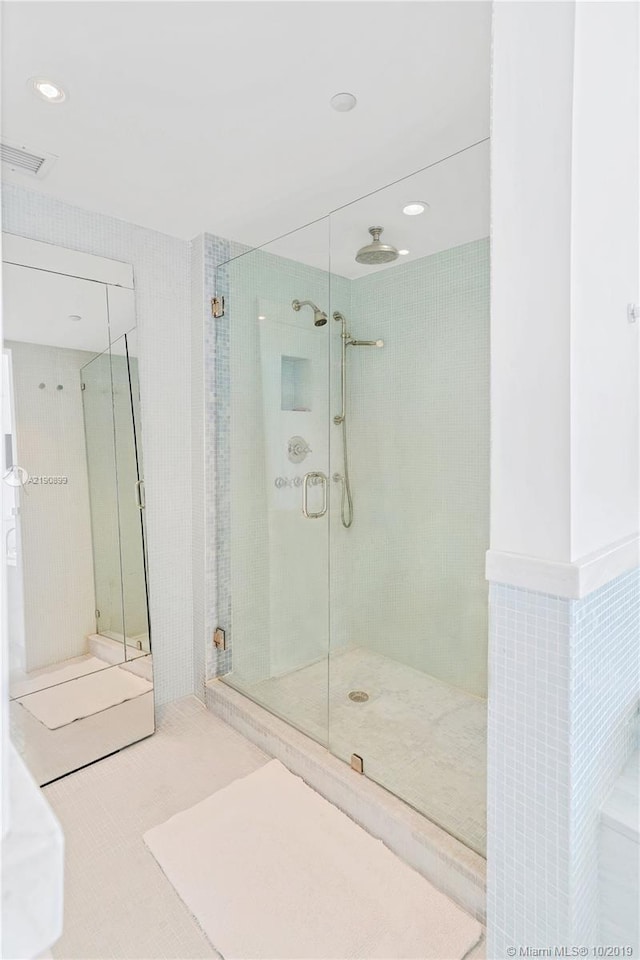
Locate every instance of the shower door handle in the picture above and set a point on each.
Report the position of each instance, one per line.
(315, 474)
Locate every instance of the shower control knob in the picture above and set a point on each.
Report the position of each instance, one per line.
(297, 449)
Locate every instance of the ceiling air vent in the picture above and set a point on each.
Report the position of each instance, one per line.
(20, 159)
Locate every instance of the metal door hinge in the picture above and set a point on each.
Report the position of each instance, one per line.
(217, 307)
(83, 386)
(97, 614)
(219, 639)
(357, 763)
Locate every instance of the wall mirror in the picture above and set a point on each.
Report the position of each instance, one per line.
(81, 682)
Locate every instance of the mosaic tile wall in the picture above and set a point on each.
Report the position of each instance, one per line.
(238, 537)
(565, 683)
(434, 317)
(605, 695)
(217, 598)
(419, 458)
(162, 291)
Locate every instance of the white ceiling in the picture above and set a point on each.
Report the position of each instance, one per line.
(215, 116)
(457, 195)
(38, 307)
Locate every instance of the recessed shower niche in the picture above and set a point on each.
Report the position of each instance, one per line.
(296, 384)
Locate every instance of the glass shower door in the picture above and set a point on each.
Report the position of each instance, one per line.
(409, 449)
(352, 455)
(271, 445)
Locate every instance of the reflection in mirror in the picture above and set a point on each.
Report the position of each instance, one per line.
(111, 402)
(73, 524)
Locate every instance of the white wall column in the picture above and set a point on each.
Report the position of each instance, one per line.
(530, 284)
(565, 593)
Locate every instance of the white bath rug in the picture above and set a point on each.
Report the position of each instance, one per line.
(272, 871)
(57, 706)
(56, 673)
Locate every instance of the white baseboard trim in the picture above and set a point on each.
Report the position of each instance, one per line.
(573, 580)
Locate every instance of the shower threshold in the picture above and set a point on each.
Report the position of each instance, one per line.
(446, 862)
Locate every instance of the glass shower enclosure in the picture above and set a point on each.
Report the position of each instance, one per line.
(357, 451)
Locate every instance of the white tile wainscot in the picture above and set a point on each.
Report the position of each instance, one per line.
(564, 690)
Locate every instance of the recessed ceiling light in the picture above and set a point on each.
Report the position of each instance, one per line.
(261, 316)
(403, 253)
(74, 316)
(47, 90)
(343, 102)
(414, 208)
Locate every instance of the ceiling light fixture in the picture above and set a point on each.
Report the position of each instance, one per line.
(47, 90)
(414, 208)
(343, 102)
(403, 253)
(75, 317)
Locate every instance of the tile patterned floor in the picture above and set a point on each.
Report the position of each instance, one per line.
(422, 739)
(118, 903)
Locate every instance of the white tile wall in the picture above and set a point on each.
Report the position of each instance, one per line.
(605, 690)
(198, 514)
(419, 459)
(258, 546)
(564, 685)
(163, 297)
(418, 439)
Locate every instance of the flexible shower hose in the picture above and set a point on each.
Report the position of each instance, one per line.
(346, 505)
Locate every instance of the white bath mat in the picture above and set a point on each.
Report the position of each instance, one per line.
(57, 706)
(272, 871)
(56, 673)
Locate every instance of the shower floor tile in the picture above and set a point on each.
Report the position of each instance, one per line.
(422, 739)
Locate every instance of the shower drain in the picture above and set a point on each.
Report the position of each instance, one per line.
(359, 696)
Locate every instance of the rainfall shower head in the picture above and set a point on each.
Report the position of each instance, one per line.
(376, 252)
(319, 316)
